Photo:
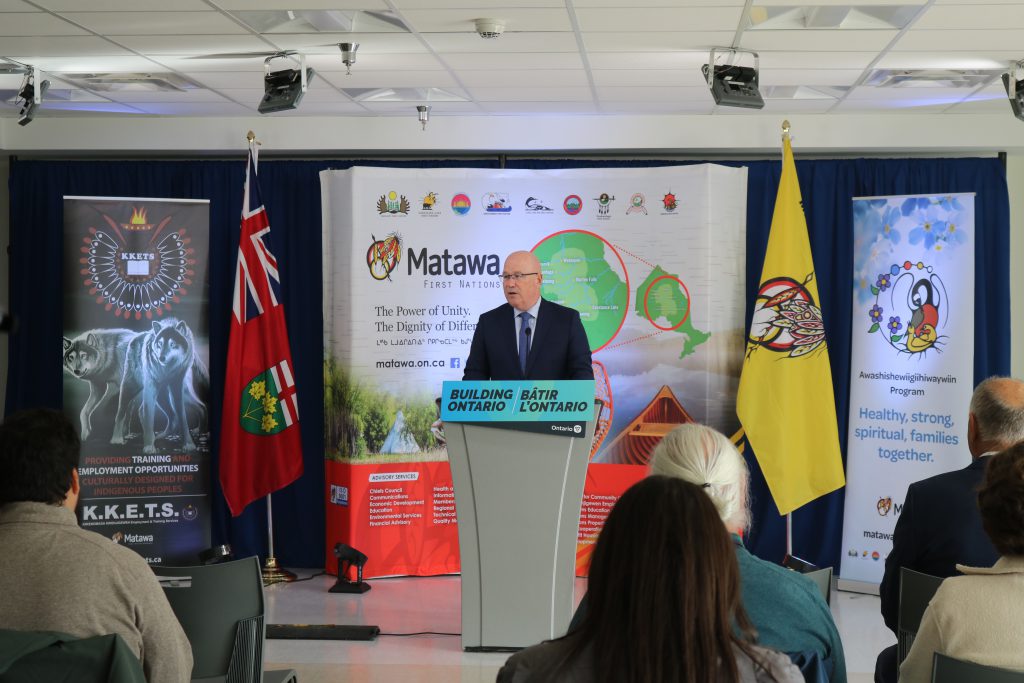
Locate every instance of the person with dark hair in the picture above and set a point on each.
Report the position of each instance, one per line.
(55, 576)
(977, 617)
(664, 602)
(939, 525)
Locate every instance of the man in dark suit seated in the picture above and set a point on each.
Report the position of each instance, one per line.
(528, 337)
(940, 525)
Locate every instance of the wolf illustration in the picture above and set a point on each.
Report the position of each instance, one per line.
(161, 373)
(97, 357)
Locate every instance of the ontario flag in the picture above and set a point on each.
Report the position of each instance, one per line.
(260, 444)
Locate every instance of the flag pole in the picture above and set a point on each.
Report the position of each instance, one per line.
(789, 515)
(272, 572)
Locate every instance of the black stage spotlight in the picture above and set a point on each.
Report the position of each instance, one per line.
(349, 557)
(733, 85)
(283, 89)
(1015, 89)
(32, 91)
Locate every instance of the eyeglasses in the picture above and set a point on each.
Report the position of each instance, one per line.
(505, 277)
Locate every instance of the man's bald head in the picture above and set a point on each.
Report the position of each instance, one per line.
(997, 415)
(522, 293)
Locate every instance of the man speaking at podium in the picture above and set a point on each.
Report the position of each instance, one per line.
(528, 337)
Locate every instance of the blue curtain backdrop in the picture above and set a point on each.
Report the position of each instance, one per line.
(291, 191)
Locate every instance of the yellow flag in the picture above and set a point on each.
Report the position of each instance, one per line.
(785, 399)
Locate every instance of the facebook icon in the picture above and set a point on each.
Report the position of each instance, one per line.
(454, 362)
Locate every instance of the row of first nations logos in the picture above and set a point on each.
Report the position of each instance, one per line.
(395, 204)
(884, 506)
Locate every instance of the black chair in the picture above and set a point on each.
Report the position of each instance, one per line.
(949, 670)
(52, 656)
(916, 591)
(220, 607)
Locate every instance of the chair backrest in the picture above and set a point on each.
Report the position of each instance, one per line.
(916, 591)
(220, 607)
(823, 579)
(53, 656)
(949, 670)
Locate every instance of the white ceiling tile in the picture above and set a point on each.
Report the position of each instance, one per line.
(652, 94)
(93, 64)
(657, 41)
(644, 61)
(973, 16)
(946, 60)
(515, 20)
(476, 5)
(123, 5)
(632, 78)
(310, 107)
(525, 78)
(511, 60)
(817, 41)
(390, 79)
(834, 3)
(781, 107)
(810, 77)
(369, 43)
(187, 96)
(192, 45)
(16, 6)
(539, 94)
(660, 19)
(960, 41)
(527, 108)
(184, 109)
(929, 95)
(784, 59)
(29, 48)
(409, 109)
(509, 42)
(301, 4)
(55, 107)
(36, 24)
(155, 23)
(648, 107)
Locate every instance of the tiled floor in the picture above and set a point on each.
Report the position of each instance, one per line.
(409, 605)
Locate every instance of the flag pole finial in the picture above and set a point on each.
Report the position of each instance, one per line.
(785, 128)
(250, 136)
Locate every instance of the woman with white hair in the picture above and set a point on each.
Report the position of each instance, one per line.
(786, 609)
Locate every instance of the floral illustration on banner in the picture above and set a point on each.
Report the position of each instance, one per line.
(910, 307)
(934, 224)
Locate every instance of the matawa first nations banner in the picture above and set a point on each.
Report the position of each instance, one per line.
(652, 258)
(135, 357)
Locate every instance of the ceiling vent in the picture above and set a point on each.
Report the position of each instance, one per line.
(932, 78)
(118, 82)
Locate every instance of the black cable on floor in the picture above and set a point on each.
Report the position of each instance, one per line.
(306, 578)
(421, 633)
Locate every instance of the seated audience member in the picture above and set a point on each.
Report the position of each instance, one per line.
(664, 602)
(940, 526)
(977, 617)
(786, 609)
(55, 576)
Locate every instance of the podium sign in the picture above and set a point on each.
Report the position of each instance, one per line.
(518, 489)
(546, 406)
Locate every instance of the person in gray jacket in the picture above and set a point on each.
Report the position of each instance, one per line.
(664, 602)
(55, 576)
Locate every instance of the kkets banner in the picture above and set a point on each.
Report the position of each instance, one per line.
(136, 348)
(912, 361)
(653, 259)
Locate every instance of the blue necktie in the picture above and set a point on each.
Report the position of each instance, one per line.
(524, 340)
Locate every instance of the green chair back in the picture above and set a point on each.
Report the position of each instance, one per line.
(823, 580)
(916, 591)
